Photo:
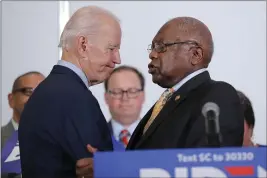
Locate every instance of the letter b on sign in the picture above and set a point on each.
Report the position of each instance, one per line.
(154, 172)
(196, 172)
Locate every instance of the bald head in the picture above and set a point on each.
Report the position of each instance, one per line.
(182, 46)
(88, 21)
(189, 28)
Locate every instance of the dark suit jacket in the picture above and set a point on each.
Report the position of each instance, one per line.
(180, 123)
(6, 132)
(110, 127)
(59, 120)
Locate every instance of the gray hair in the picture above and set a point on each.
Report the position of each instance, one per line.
(85, 21)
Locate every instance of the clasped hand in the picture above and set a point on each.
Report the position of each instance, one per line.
(85, 166)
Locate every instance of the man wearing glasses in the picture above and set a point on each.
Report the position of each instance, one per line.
(124, 95)
(22, 89)
(180, 54)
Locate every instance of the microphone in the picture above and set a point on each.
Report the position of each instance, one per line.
(211, 112)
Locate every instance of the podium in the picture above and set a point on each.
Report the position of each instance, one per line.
(183, 163)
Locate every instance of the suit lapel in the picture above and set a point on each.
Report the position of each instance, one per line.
(177, 98)
(110, 127)
(167, 109)
(8, 132)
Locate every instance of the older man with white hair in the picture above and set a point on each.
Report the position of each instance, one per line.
(62, 116)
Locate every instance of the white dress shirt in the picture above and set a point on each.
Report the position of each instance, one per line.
(187, 78)
(15, 124)
(117, 128)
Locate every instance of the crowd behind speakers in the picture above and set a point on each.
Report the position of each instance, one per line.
(62, 124)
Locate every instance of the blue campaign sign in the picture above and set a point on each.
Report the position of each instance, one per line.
(183, 163)
(10, 156)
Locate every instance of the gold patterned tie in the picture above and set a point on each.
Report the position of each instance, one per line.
(158, 106)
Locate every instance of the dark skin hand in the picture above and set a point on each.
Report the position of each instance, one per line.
(84, 167)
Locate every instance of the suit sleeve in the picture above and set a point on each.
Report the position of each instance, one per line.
(81, 127)
(231, 118)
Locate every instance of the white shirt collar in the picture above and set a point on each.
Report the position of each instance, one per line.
(117, 128)
(15, 124)
(187, 78)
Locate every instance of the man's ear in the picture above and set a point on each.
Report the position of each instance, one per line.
(143, 96)
(11, 100)
(83, 45)
(197, 55)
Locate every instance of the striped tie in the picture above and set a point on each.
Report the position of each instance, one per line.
(158, 106)
(124, 135)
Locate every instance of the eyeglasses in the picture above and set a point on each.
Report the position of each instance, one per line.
(162, 47)
(118, 93)
(25, 90)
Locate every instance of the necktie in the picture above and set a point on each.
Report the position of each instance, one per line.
(158, 106)
(124, 134)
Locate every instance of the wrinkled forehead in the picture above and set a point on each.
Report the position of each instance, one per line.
(110, 33)
(124, 79)
(170, 33)
(31, 80)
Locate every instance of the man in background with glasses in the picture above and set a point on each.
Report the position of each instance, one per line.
(124, 95)
(22, 89)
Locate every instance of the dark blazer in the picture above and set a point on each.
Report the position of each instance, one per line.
(59, 120)
(180, 123)
(6, 133)
(110, 127)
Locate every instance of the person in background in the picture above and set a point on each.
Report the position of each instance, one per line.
(22, 89)
(124, 95)
(63, 116)
(249, 120)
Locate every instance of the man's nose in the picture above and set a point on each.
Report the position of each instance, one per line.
(125, 96)
(117, 58)
(153, 55)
